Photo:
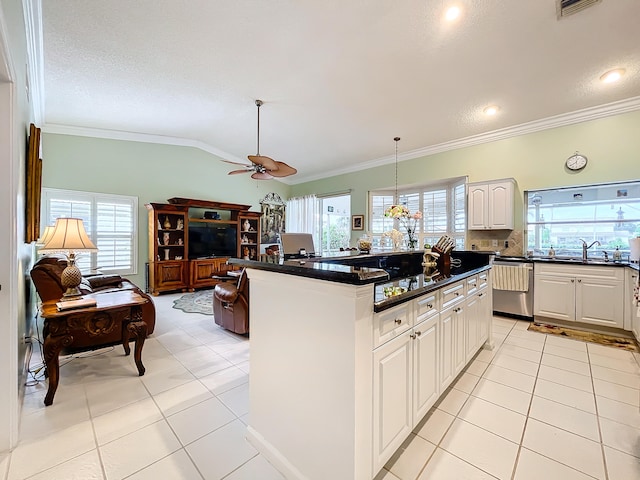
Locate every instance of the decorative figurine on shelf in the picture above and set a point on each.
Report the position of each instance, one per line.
(166, 254)
(167, 223)
(180, 242)
(246, 226)
(165, 238)
(245, 239)
(245, 253)
(253, 253)
(159, 225)
(180, 224)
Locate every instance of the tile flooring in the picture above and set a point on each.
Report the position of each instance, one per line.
(535, 407)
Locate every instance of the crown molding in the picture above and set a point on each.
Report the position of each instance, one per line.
(138, 137)
(571, 118)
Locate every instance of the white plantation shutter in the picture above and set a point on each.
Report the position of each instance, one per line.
(110, 222)
(443, 207)
(380, 223)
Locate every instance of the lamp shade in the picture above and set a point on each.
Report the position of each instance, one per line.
(46, 235)
(68, 235)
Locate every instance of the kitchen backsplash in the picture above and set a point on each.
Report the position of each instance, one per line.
(483, 240)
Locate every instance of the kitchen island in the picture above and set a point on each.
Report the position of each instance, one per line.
(341, 373)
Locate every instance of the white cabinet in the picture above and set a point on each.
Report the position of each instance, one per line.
(405, 376)
(477, 315)
(452, 334)
(632, 320)
(580, 293)
(392, 397)
(491, 205)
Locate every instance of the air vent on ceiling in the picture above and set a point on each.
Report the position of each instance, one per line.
(569, 7)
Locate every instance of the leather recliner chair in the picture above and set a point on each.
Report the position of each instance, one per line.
(231, 304)
(46, 276)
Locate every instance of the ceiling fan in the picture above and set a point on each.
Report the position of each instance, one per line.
(263, 168)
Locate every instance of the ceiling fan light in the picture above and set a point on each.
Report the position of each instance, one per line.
(612, 75)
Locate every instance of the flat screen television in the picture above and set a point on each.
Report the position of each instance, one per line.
(210, 240)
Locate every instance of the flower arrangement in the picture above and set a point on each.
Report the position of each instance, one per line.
(407, 219)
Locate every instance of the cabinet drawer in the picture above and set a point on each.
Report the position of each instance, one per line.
(472, 285)
(390, 323)
(452, 294)
(483, 280)
(426, 306)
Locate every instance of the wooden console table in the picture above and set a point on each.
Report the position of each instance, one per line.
(115, 310)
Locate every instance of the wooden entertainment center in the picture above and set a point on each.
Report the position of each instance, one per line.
(190, 242)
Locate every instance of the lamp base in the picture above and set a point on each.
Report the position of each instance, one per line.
(70, 279)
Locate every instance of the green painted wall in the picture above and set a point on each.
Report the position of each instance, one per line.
(152, 172)
(535, 160)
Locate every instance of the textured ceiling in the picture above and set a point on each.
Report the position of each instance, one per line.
(339, 78)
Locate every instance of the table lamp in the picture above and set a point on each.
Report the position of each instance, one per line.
(69, 237)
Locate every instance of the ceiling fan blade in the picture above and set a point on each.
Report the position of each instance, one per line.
(261, 176)
(236, 172)
(266, 162)
(235, 163)
(283, 170)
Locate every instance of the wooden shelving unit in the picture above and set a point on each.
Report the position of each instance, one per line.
(178, 262)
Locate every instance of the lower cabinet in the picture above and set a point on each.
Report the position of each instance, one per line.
(586, 294)
(418, 352)
(167, 275)
(201, 272)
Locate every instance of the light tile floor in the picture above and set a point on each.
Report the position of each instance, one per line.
(536, 406)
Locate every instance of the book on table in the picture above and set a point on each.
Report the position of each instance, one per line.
(74, 304)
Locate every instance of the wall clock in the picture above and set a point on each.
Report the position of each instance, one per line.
(576, 162)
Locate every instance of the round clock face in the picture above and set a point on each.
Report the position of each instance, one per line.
(576, 162)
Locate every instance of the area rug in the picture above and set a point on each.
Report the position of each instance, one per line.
(621, 343)
(196, 302)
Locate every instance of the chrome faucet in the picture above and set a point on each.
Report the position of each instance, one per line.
(585, 248)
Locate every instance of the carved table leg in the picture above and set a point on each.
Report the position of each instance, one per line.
(52, 347)
(139, 329)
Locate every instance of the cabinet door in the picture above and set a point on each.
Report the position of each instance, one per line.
(447, 347)
(478, 207)
(472, 317)
(392, 386)
(554, 297)
(425, 366)
(484, 317)
(500, 206)
(600, 301)
(633, 312)
(169, 274)
(459, 338)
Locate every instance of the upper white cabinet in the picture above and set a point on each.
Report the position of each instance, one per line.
(491, 205)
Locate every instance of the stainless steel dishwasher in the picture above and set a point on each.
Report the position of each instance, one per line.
(510, 302)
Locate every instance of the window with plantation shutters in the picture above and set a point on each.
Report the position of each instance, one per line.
(110, 222)
(443, 206)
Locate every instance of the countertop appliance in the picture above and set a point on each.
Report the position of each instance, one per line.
(514, 303)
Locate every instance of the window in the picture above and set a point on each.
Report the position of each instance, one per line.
(110, 222)
(563, 217)
(443, 206)
(335, 224)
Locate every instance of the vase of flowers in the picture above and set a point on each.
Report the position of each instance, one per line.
(408, 220)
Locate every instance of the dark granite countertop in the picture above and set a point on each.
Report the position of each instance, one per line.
(595, 262)
(400, 269)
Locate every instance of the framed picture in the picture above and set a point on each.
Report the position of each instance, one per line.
(357, 222)
(33, 186)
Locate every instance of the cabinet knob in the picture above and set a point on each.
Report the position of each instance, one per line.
(579, 280)
(412, 336)
(481, 294)
(572, 280)
(398, 321)
(418, 333)
(430, 305)
(457, 293)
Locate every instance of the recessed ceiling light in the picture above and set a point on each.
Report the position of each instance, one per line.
(452, 13)
(491, 110)
(612, 75)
